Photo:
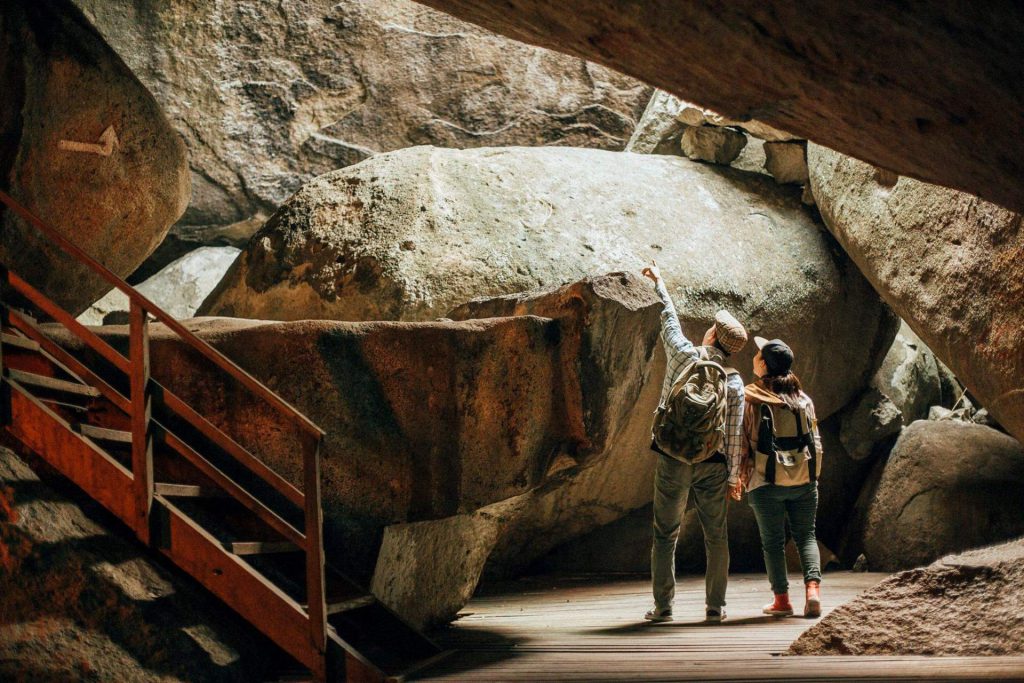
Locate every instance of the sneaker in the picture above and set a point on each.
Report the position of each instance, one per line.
(714, 614)
(659, 615)
(781, 606)
(812, 608)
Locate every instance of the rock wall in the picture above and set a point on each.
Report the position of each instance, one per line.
(933, 92)
(411, 234)
(269, 95)
(85, 147)
(951, 265)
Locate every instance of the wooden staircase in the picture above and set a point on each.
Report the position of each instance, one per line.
(184, 486)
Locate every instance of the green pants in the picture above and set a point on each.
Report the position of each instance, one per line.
(673, 481)
(771, 505)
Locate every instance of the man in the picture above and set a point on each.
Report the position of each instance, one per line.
(711, 480)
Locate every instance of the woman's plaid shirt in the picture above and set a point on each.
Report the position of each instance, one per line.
(679, 350)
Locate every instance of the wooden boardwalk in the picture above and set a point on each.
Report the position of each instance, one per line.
(586, 630)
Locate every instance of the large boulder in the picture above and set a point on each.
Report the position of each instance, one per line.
(934, 93)
(913, 379)
(83, 601)
(410, 234)
(427, 421)
(948, 486)
(85, 147)
(950, 265)
(270, 95)
(962, 605)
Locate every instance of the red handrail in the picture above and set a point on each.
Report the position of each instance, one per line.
(142, 385)
(215, 356)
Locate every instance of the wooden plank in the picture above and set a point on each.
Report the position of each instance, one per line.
(261, 547)
(231, 487)
(315, 587)
(186, 491)
(87, 466)
(179, 407)
(104, 434)
(52, 384)
(23, 323)
(18, 342)
(141, 416)
(346, 605)
(68, 321)
(540, 631)
(228, 577)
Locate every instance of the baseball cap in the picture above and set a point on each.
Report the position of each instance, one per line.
(776, 354)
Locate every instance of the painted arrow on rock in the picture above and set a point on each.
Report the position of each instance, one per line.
(105, 147)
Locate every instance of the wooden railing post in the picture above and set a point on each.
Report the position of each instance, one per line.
(5, 389)
(315, 589)
(142, 441)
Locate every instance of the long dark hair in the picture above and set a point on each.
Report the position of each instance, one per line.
(787, 387)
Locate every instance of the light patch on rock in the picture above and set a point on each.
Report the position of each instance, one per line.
(179, 288)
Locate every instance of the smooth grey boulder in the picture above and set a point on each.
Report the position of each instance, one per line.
(179, 288)
(870, 420)
(411, 234)
(914, 379)
(948, 486)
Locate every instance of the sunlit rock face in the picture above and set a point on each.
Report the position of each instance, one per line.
(934, 93)
(269, 95)
(948, 486)
(933, 611)
(951, 265)
(411, 234)
(85, 147)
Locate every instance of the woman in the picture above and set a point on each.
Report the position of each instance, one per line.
(784, 461)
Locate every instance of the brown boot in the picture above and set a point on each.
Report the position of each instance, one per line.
(781, 606)
(812, 608)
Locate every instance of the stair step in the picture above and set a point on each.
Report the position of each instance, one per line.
(339, 606)
(59, 385)
(18, 341)
(186, 491)
(262, 547)
(353, 603)
(104, 434)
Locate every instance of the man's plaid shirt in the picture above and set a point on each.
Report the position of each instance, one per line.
(679, 350)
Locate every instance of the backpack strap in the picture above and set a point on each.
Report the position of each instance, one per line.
(766, 441)
(812, 448)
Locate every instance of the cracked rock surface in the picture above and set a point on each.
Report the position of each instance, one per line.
(270, 94)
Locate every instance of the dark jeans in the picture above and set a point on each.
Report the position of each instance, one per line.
(771, 504)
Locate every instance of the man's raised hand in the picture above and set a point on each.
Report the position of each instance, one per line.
(652, 271)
